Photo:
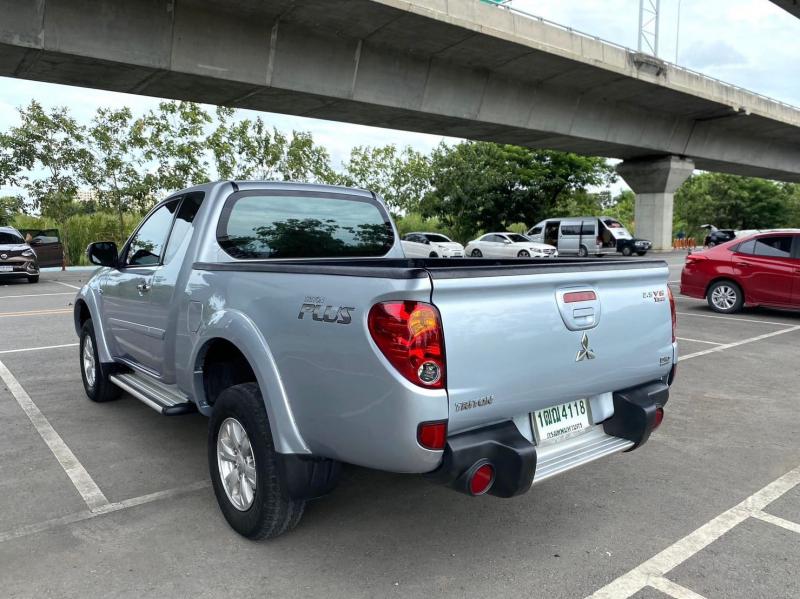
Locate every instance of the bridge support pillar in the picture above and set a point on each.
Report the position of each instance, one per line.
(654, 181)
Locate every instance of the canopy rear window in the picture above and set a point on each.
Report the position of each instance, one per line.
(277, 224)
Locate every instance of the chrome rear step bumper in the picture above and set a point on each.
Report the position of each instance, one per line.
(518, 463)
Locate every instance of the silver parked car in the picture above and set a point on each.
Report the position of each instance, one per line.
(288, 315)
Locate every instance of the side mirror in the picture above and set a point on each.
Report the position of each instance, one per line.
(102, 253)
(507, 242)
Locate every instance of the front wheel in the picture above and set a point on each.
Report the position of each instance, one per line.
(523, 254)
(725, 297)
(433, 255)
(640, 253)
(627, 251)
(476, 253)
(94, 373)
(33, 279)
(244, 466)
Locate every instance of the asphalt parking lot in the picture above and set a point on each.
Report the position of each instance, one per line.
(101, 500)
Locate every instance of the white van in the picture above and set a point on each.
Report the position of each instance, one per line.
(586, 235)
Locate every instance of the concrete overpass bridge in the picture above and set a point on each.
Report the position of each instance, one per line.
(450, 67)
(791, 6)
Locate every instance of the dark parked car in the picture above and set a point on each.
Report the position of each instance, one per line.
(17, 258)
(47, 245)
(716, 236)
(758, 270)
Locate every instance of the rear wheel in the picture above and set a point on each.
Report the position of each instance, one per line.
(712, 244)
(476, 253)
(640, 253)
(244, 466)
(627, 251)
(33, 279)
(523, 254)
(433, 255)
(583, 252)
(725, 297)
(94, 373)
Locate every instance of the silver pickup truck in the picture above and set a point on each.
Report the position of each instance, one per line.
(288, 314)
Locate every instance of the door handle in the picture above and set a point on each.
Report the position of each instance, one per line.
(142, 287)
(742, 264)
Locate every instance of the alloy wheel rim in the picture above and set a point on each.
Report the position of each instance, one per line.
(724, 297)
(89, 367)
(237, 464)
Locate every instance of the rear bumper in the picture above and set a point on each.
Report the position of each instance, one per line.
(519, 463)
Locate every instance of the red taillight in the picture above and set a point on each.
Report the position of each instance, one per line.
(673, 312)
(579, 296)
(410, 335)
(432, 435)
(481, 479)
(659, 418)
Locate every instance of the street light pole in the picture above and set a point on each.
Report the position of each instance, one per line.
(678, 32)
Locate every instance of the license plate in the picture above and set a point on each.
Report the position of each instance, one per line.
(562, 421)
(6, 268)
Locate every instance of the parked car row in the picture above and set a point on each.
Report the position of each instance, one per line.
(760, 269)
(550, 238)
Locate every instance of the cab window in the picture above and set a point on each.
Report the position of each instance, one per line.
(144, 248)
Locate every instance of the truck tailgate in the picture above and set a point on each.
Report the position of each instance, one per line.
(509, 350)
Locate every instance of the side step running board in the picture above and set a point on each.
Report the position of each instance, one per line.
(152, 393)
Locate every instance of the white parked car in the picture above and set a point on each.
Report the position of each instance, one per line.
(509, 245)
(431, 245)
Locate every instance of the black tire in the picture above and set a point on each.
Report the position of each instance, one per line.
(583, 252)
(272, 512)
(640, 253)
(712, 244)
(728, 298)
(523, 254)
(33, 279)
(626, 250)
(476, 253)
(433, 255)
(102, 389)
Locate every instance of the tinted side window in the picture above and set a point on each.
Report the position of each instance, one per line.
(777, 247)
(747, 247)
(570, 229)
(183, 223)
(274, 225)
(536, 231)
(587, 228)
(146, 245)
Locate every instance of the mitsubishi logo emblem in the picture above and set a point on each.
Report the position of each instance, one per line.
(585, 353)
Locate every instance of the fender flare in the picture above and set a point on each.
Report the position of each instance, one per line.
(236, 328)
(87, 296)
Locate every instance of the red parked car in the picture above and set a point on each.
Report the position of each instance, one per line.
(757, 270)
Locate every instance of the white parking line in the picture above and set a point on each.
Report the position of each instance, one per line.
(657, 566)
(30, 529)
(698, 341)
(35, 295)
(780, 324)
(777, 521)
(67, 285)
(83, 482)
(719, 348)
(673, 589)
(24, 349)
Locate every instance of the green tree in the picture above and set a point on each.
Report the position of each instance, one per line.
(733, 202)
(115, 170)
(46, 155)
(250, 149)
(173, 138)
(622, 207)
(481, 186)
(401, 177)
(10, 207)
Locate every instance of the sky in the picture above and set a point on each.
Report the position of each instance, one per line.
(749, 43)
